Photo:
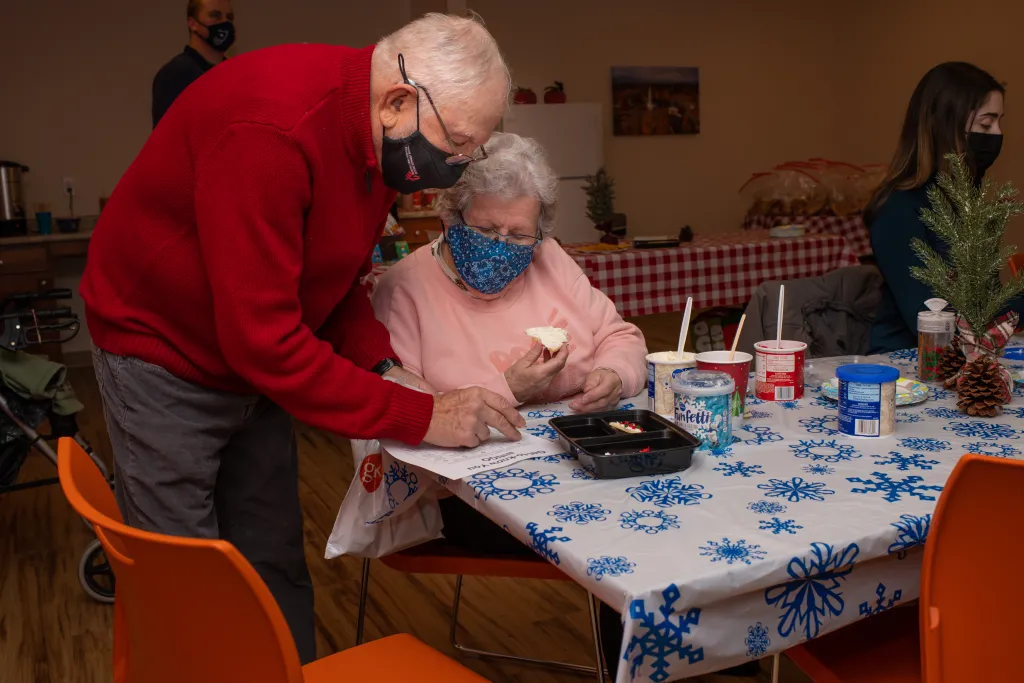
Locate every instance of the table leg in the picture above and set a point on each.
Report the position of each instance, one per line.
(776, 660)
(595, 628)
(364, 589)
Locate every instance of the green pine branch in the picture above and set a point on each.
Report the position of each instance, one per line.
(972, 223)
(600, 189)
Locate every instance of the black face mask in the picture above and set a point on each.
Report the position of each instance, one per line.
(413, 163)
(984, 149)
(221, 36)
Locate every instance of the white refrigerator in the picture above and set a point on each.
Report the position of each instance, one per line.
(572, 137)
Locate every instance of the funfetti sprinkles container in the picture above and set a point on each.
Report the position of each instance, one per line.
(660, 367)
(779, 370)
(867, 399)
(703, 406)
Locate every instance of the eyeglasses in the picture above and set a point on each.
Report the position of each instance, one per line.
(512, 238)
(455, 159)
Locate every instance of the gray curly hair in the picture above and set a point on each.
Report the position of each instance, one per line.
(515, 167)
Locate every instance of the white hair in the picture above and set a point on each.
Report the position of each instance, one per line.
(515, 167)
(454, 58)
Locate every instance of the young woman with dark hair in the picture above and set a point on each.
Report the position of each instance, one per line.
(956, 107)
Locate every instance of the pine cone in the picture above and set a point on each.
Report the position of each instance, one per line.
(980, 393)
(950, 362)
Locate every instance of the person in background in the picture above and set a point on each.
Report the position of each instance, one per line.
(211, 33)
(957, 107)
(223, 293)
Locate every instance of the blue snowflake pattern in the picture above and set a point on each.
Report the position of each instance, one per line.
(789, 405)
(740, 468)
(766, 507)
(757, 641)
(982, 430)
(586, 472)
(911, 531)
(904, 356)
(600, 567)
(661, 636)
(732, 551)
(762, 435)
(512, 483)
(541, 540)
(544, 431)
(579, 513)
(795, 489)
(939, 394)
(1014, 412)
(665, 493)
(753, 400)
(925, 445)
(995, 450)
(627, 406)
(818, 469)
(905, 462)
(907, 418)
(822, 402)
(943, 413)
(830, 451)
(649, 521)
(881, 603)
(777, 526)
(813, 594)
(544, 414)
(894, 490)
(760, 414)
(826, 424)
(555, 459)
(721, 452)
(400, 484)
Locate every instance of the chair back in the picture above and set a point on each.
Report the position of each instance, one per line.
(970, 588)
(195, 610)
(1016, 263)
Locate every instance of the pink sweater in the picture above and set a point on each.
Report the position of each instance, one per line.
(453, 340)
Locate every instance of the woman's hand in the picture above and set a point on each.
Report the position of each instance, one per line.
(531, 374)
(601, 391)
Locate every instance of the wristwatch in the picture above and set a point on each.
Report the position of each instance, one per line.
(385, 365)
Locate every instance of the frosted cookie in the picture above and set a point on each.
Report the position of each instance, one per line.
(551, 337)
(627, 427)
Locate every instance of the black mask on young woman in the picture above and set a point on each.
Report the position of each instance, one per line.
(984, 149)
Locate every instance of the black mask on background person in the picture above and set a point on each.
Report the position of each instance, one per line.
(413, 163)
(984, 149)
(220, 36)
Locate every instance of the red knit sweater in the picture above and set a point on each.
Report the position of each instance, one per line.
(230, 252)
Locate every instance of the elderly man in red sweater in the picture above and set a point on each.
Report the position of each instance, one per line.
(223, 284)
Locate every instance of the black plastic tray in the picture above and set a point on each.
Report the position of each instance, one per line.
(615, 455)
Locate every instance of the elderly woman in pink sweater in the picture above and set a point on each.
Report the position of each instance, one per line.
(458, 311)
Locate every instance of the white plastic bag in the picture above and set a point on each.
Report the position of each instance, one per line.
(390, 506)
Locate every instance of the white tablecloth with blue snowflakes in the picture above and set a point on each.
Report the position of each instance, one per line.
(792, 532)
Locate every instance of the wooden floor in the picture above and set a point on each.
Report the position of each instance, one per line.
(51, 631)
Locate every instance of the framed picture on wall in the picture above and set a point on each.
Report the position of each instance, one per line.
(655, 100)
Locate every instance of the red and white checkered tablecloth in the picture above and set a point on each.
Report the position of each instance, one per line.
(716, 271)
(851, 227)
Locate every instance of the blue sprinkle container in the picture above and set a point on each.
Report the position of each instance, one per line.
(703, 406)
(867, 400)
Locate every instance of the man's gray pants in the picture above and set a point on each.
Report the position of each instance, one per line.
(197, 462)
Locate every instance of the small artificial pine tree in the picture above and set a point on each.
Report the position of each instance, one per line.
(600, 189)
(972, 223)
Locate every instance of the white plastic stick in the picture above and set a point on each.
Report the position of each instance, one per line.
(685, 328)
(778, 329)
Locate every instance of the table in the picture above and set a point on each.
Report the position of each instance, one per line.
(851, 227)
(723, 270)
(790, 533)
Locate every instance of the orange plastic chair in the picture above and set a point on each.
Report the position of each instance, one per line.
(195, 610)
(437, 557)
(1016, 264)
(963, 630)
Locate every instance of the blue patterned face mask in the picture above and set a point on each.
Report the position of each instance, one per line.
(485, 264)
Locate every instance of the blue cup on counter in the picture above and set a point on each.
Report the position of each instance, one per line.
(44, 222)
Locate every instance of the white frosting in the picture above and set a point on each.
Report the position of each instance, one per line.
(551, 337)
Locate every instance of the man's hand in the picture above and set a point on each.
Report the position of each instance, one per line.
(463, 418)
(410, 380)
(601, 391)
(531, 374)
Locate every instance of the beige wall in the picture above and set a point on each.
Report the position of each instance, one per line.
(790, 79)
